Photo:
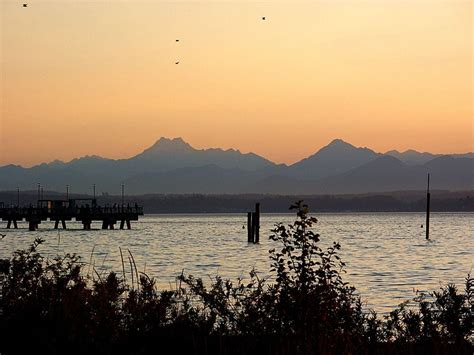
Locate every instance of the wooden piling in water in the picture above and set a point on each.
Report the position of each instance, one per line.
(428, 197)
(86, 224)
(56, 223)
(249, 228)
(253, 225)
(32, 225)
(257, 223)
(9, 223)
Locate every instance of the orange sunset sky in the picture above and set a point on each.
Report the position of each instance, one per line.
(99, 77)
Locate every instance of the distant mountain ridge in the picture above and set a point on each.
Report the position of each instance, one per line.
(337, 157)
(412, 157)
(167, 154)
(174, 166)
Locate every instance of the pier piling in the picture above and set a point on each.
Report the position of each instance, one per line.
(9, 223)
(253, 225)
(257, 223)
(124, 222)
(428, 197)
(249, 228)
(33, 225)
(86, 224)
(56, 223)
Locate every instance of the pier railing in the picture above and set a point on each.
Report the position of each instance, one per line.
(109, 215)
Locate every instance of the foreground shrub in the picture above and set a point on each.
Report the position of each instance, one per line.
(54, 306)
(445, 316)
(307, 300)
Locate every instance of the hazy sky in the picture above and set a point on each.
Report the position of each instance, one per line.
(99, 77)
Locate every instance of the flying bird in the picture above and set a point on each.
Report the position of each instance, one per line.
(177, 40)
(263, 18)
(3, 236)
(25, 5)
(176, 63)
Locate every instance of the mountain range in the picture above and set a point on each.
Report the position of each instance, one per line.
(174, 166)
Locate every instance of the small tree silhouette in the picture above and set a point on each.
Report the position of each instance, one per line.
(308, 298)
(313, 301)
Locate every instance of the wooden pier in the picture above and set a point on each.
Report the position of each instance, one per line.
(60, 211)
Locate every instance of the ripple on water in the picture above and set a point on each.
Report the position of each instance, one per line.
(386, 254)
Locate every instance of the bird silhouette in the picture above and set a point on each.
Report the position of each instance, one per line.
(25, 5)
(263, 18)
(2, 236)
(177, 40)
(176, 63)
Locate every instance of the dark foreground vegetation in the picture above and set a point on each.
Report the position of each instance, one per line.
(57, 307)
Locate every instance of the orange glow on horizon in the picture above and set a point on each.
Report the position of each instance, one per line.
(82, 78)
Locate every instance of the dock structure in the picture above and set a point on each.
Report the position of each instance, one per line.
(253, 225)
(60, 211)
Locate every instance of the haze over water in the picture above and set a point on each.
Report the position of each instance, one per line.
(387, 255)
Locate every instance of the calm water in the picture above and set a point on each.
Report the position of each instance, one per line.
(387, 255)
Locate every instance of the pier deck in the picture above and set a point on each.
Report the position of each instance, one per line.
(60, 211)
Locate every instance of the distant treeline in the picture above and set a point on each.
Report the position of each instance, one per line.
(402, 201)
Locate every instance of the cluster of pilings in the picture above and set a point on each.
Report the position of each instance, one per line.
(110, 223)
(253, 225)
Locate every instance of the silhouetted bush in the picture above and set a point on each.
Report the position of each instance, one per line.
(448, 317)
(55, 306)
(307, 300)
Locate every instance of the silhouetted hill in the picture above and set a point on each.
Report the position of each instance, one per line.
(450, 171)
(169, 154)
(387, 173)
(204, 179)
(163, 156)
(412, 157)
(401, 201)
(174, 166)
(335, 158)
